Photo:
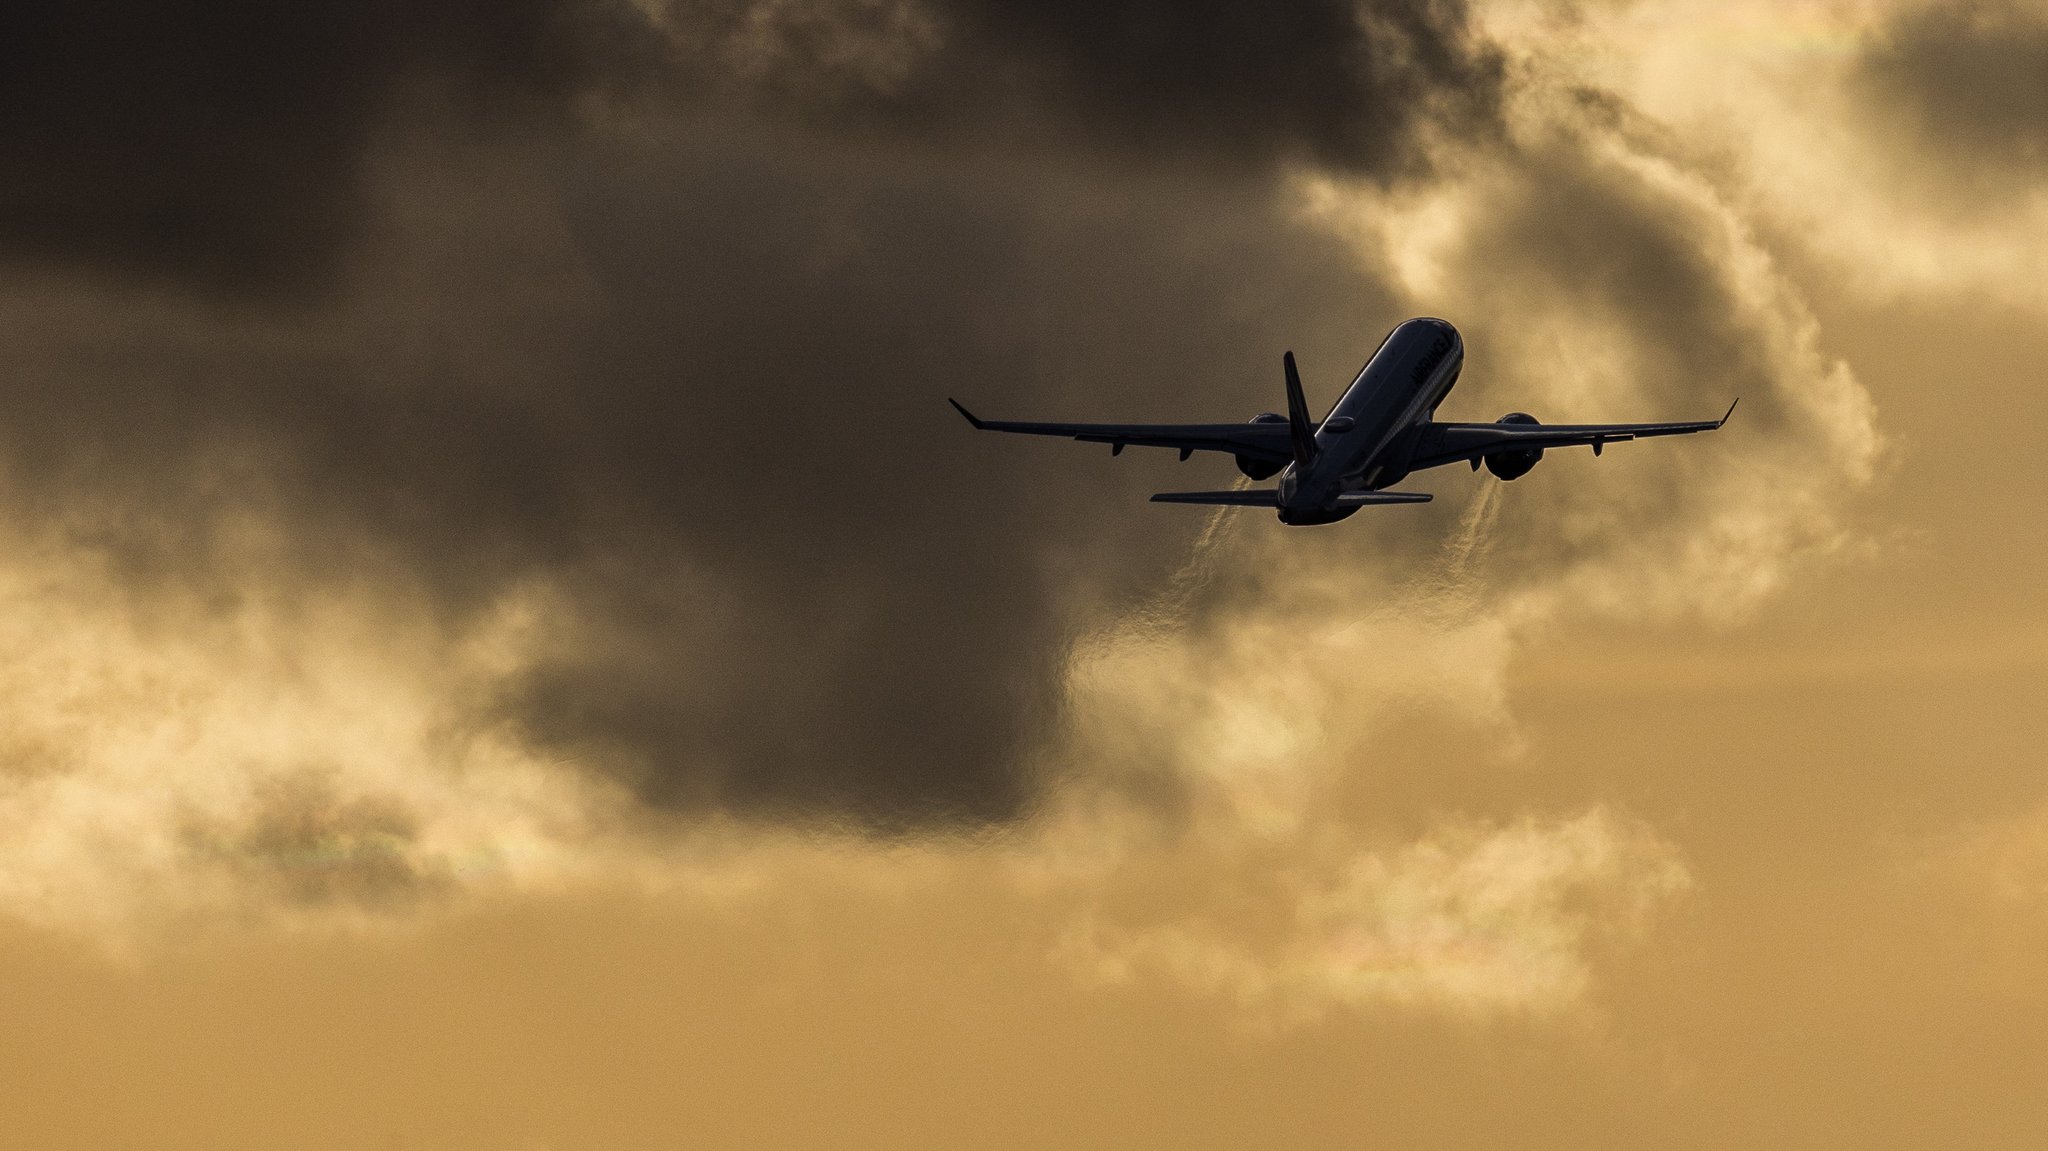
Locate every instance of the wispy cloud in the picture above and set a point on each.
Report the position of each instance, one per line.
(1472, 918)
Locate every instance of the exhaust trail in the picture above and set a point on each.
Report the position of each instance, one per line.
(1474, 536)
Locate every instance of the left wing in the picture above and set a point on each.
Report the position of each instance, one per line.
(1441, 444)
(1271, 441)
(1248, 498)
(1269, 498)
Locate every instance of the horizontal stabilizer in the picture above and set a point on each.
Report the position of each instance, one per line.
(1253, 498)
(1361, 499)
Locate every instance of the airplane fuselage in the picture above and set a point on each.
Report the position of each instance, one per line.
(1362, 443)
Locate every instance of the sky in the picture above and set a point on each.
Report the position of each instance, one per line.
(504, 646)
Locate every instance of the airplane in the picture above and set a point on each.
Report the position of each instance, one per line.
(1382, 429)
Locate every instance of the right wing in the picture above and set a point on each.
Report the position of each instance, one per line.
(1272, 442)
(1453, 443)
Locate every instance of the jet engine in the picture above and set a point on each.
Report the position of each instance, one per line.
(1254, 467)
(1514, 465)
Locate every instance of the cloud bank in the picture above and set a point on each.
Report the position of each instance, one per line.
(506, 454)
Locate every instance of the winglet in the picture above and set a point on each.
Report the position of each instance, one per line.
(958, 407)
(1298, 422)
(1725, 415)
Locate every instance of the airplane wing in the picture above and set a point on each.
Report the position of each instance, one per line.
(1451, 443)
(1367, 499)
(1271, 441)
(1269, 498)
(1249, 498)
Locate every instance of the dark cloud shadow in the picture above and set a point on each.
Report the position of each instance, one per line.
(661, 310)
(1957, 90)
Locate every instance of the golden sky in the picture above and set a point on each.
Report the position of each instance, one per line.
(505, 646)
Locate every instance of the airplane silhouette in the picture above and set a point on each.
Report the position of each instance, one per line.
(1379, 432)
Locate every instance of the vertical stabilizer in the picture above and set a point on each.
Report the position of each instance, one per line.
(1297, 417)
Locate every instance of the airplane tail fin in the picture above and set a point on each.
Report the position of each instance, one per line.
(1249, 498)
(1297, 417)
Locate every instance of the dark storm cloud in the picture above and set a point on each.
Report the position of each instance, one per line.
(903, 578)
(223, 143)
(691, 372)
(1337, 83)
(219, 142)
(1334, 82)
(1969, 80)
(800, 583)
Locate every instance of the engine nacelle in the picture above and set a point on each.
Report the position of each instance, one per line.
(1253, 467)
(1514, 465)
